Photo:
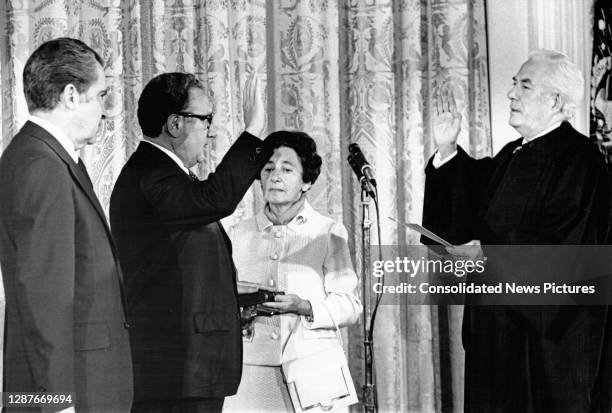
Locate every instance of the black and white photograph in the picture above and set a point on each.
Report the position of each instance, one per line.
(306, 206)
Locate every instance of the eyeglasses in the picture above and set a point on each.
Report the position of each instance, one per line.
(207, 118)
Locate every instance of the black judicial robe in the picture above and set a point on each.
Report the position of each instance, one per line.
(553, 190)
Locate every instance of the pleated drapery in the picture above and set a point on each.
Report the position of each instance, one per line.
(359, 71)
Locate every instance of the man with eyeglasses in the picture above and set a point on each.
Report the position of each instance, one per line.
(180, 277)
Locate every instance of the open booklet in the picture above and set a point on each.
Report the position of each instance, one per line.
(425, 232)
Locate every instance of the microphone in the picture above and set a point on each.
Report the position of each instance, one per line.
(364, 167)
(363, 170)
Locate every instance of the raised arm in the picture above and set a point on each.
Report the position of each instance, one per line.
(454, 181)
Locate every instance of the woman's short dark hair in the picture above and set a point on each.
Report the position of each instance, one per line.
(306, 149)
(164, 95)
(55, 64)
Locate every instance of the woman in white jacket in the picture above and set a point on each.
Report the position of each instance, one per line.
(292, 248)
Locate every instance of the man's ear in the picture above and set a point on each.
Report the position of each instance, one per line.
(70, 96)
(173, 124)
(558, 102)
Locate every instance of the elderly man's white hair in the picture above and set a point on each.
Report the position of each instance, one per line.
(564, 77)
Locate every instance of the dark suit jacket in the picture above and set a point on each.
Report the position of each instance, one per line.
(179, 272)
(65, 319)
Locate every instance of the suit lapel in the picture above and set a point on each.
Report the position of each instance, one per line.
(226, 238)
(156, 158)
(79, 176)
(83, 181)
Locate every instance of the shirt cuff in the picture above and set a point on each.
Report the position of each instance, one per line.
(319, 315)
(438, 161)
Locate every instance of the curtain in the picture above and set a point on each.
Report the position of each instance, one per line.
(565, 25)
(398, 55)
(359, 71)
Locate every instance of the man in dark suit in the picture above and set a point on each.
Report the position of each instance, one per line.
(549, 188)
(181, 289)
(66, 327)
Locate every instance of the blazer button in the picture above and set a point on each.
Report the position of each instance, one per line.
(258, 150)
(126, 325)
(274, 256)
(274, 336)
(247, 332)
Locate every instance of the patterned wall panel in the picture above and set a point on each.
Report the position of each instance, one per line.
(306, 92)
(361, 71)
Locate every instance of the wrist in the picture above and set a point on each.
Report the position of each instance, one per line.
(306, 309)
(255, 131)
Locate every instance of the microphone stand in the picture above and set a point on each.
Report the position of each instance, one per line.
(370, 402)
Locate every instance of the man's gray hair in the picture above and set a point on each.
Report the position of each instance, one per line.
(564, 77)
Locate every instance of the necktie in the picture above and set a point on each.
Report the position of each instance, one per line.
(193, 177)
(83, 169)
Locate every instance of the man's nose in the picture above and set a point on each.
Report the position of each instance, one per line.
(107, 109)
(512, 93)
(212, 131)
(101, 126)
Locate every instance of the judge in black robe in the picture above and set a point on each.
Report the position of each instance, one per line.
(550, 189)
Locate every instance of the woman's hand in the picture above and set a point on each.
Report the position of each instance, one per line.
(290, 303)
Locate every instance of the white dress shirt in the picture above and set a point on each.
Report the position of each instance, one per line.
(171, 154)
(58, 134)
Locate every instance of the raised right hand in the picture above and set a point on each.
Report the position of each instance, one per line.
(446, 123)
(253, 106)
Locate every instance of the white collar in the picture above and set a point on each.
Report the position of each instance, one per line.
(59, 136)
(307, 213)
(544, 132)
(171, 154)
